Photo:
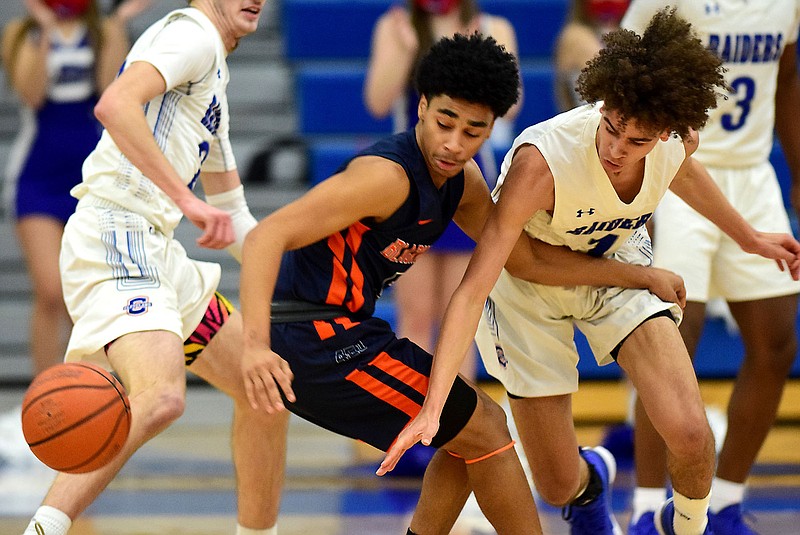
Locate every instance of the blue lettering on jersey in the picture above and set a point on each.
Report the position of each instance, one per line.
(611, 225)
(746, 48)
(213, 116)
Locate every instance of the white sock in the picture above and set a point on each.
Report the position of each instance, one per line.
(691, 515)
(725, 493)
(50, 521)
(646, 499)
(241, 530)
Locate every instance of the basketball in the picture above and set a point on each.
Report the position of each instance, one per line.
(75, 417)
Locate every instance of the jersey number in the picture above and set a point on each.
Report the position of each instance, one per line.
(744, 88)
(601, 245)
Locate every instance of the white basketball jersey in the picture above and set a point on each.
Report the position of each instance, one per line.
(749, 36)
(189, 122)
(588, 214)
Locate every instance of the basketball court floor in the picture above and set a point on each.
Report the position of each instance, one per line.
(181, 482)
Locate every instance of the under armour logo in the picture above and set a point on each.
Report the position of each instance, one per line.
(712, 8)
(580, 213)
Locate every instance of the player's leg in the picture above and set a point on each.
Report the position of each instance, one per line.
(650, 453)
(658, 364)
(484, 451)
(259, 439)
(150, 365)
(767, 327)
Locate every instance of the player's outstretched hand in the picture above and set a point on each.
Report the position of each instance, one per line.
(216, 224)
(265, 376)
(421, 429)
(782, 248)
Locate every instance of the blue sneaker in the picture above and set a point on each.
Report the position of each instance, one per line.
(646, 525)
(596, 517)
(663, 520)
(729, 521)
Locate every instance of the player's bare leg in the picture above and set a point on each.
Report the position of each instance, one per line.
(151, 367)
(259, 439)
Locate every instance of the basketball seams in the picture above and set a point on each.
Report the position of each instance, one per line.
(124, 414)
(58, 402)
(76, 424)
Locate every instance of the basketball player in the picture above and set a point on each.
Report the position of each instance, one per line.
(757, 43)
(371, 220)
(134, 295)
(589, 179)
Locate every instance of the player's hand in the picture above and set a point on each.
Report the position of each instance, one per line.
(667, 286)
(782, 248)
(265, 376)
(421, 429)
(216, 224)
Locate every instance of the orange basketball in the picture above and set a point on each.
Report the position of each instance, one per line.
(75, 417)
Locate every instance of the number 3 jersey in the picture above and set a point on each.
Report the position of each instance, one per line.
(749, 36)
(189, 121)
(588, 215)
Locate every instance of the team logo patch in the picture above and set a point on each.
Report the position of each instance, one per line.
(137, 306)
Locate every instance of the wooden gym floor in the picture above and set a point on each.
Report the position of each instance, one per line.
(181, 482)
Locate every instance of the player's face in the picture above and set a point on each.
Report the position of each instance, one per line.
(623, 145)
(237, 18)
(450, 132)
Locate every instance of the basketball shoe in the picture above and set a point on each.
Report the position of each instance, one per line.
(595, 517)
(644, 526)
(729, 521)
(663, 520)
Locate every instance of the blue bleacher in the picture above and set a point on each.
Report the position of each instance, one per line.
(337, 29)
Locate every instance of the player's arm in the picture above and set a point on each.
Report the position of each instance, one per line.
(787, 107)
(695, 186)
(120, 110)
(528, 188)
(536, 261)
(370, 187)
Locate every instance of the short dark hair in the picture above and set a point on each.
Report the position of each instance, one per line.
(664, 79)
(472, 68)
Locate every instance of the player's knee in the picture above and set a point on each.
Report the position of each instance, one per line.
(694, 440)
(557, 489)
(166, 405)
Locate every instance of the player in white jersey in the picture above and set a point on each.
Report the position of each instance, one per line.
(589, 179)
(756, 41)
(139, 304)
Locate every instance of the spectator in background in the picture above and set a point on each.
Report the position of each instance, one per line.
(401, 36)
(578, 42)
(765, 95)
(57, 60)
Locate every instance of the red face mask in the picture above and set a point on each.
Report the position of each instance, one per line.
(607, 11)
(67, 9)
(437, 7)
